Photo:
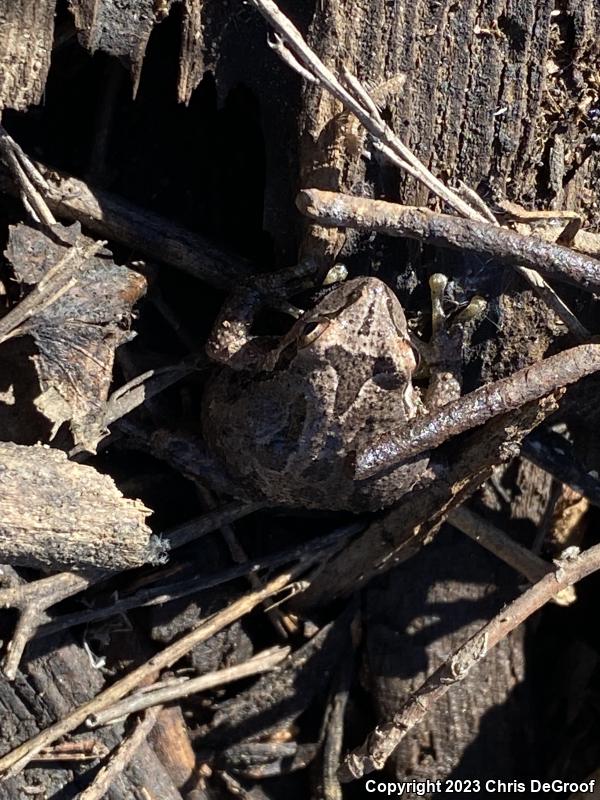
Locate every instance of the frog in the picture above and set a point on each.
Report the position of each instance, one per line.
(286, 416)
(327, 417)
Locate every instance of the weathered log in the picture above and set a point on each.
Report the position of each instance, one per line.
(56, 514)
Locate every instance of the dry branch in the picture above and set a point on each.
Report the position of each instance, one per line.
(497, 542)
(32, 601)
(121, 757)
(170, 691)
(471, 410)
(385, 738)
(159, 595)
(501, 244)
(402, 531)
(145, 232)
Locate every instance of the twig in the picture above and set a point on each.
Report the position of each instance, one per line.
(160, 695)
(210, 521)
(81, 750)
(401, 532)
(476, 201)
(334, 733)
(26, 177)
(159, 595)
(280, 621)
(525, 561)
(14, 761)
(385, 738)
(471, 410)
(58, 280)
(391, 145)
(497, 542)
(143, 231)
(143, 387)
(32, 600)
(386, 141)
(501, 244)
(121, 757)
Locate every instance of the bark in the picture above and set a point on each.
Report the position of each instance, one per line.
(56, 514)
(49, 685)
(25, 45)
(416, 616)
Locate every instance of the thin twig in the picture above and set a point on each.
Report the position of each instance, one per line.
(334, 728)
(143, 387)
(553, 453)
(58, 280)
(14, 761)
(32, 600)
(26, 177)
(121, 757)
(382, 742)
(280, 621)
(160, 695)
(159, 595)
(476, 201)
(291, 37)
(80, 750)
(210, 521)
(497, 542)
(145, 232)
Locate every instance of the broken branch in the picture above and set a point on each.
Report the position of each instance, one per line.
(385, 738)
(501, 244)
(14, 761)
(473, 409)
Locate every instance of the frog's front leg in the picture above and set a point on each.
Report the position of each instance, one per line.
(231, 341)
(443, 354)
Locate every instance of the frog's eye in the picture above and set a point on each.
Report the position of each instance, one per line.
(311, 331)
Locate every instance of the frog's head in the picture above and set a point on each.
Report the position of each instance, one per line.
(358, 329)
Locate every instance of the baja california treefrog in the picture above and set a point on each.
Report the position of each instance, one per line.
(287, 427)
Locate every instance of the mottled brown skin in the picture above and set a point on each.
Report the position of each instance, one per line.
(287, 428)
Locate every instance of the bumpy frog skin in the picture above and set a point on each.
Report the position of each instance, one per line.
(287, 431)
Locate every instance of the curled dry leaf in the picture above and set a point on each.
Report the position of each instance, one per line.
(77, 334)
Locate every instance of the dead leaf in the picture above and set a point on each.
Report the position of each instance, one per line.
(77, 335)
